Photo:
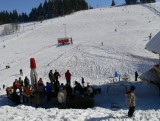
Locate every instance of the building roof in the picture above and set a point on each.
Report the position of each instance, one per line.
(154, 44)
(150, 75)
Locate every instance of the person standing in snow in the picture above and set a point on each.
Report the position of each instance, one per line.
(102, 43)
(150, 36)
(116, 76)
(48, 91)
(68, 77)
(16, 86)
(82, 82)
(51, 77)
(20, 81)
(26, 81)
(41, 88)
(56, 76)
(61, 96)
(78, 88)
(21, 72)
(3, 86)
(71, 41)
(131, 101)
(136, 75)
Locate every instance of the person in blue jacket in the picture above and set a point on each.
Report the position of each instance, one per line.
(48, 91)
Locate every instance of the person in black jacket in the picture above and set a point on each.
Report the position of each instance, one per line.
(51, 77)
(78, 88)
(136, 75)
(26, 81)
(56, 76)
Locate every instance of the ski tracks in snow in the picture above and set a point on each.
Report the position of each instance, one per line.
(98, 62)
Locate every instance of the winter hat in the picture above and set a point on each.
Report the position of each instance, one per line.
(132, 88)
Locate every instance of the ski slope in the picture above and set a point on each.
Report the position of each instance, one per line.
(122, 51)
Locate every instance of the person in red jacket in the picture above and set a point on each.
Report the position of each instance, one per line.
(16, 86)
(68, 77)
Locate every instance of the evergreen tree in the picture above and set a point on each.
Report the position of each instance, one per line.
(147, 1)
(113, 3)
(49, 9)
(128, 2)
(14, 16)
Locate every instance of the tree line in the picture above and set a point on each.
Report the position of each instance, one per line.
(128, 2)
(142, 1)
(49, 9)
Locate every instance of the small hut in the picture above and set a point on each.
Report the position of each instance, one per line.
(153, 75)
(65, 40)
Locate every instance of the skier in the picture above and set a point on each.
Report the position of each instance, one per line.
(150, 36)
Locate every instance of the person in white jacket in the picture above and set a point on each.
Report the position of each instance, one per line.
(62, 95)
(131, 101)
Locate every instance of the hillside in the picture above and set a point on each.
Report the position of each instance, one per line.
(122, 50)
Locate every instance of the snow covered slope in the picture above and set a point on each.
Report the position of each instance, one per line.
(122, 51)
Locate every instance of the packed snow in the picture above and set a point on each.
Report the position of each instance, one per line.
(105, 40)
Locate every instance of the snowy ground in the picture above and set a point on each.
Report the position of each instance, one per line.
(122, 51)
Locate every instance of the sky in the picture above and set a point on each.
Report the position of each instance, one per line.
(27, 5)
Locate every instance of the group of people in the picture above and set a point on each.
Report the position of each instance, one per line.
(60, 90)
(55, 76)
(63, 91)
(18, 84)
(66, 89)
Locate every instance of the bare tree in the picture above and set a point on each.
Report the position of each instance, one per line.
(10, 28)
